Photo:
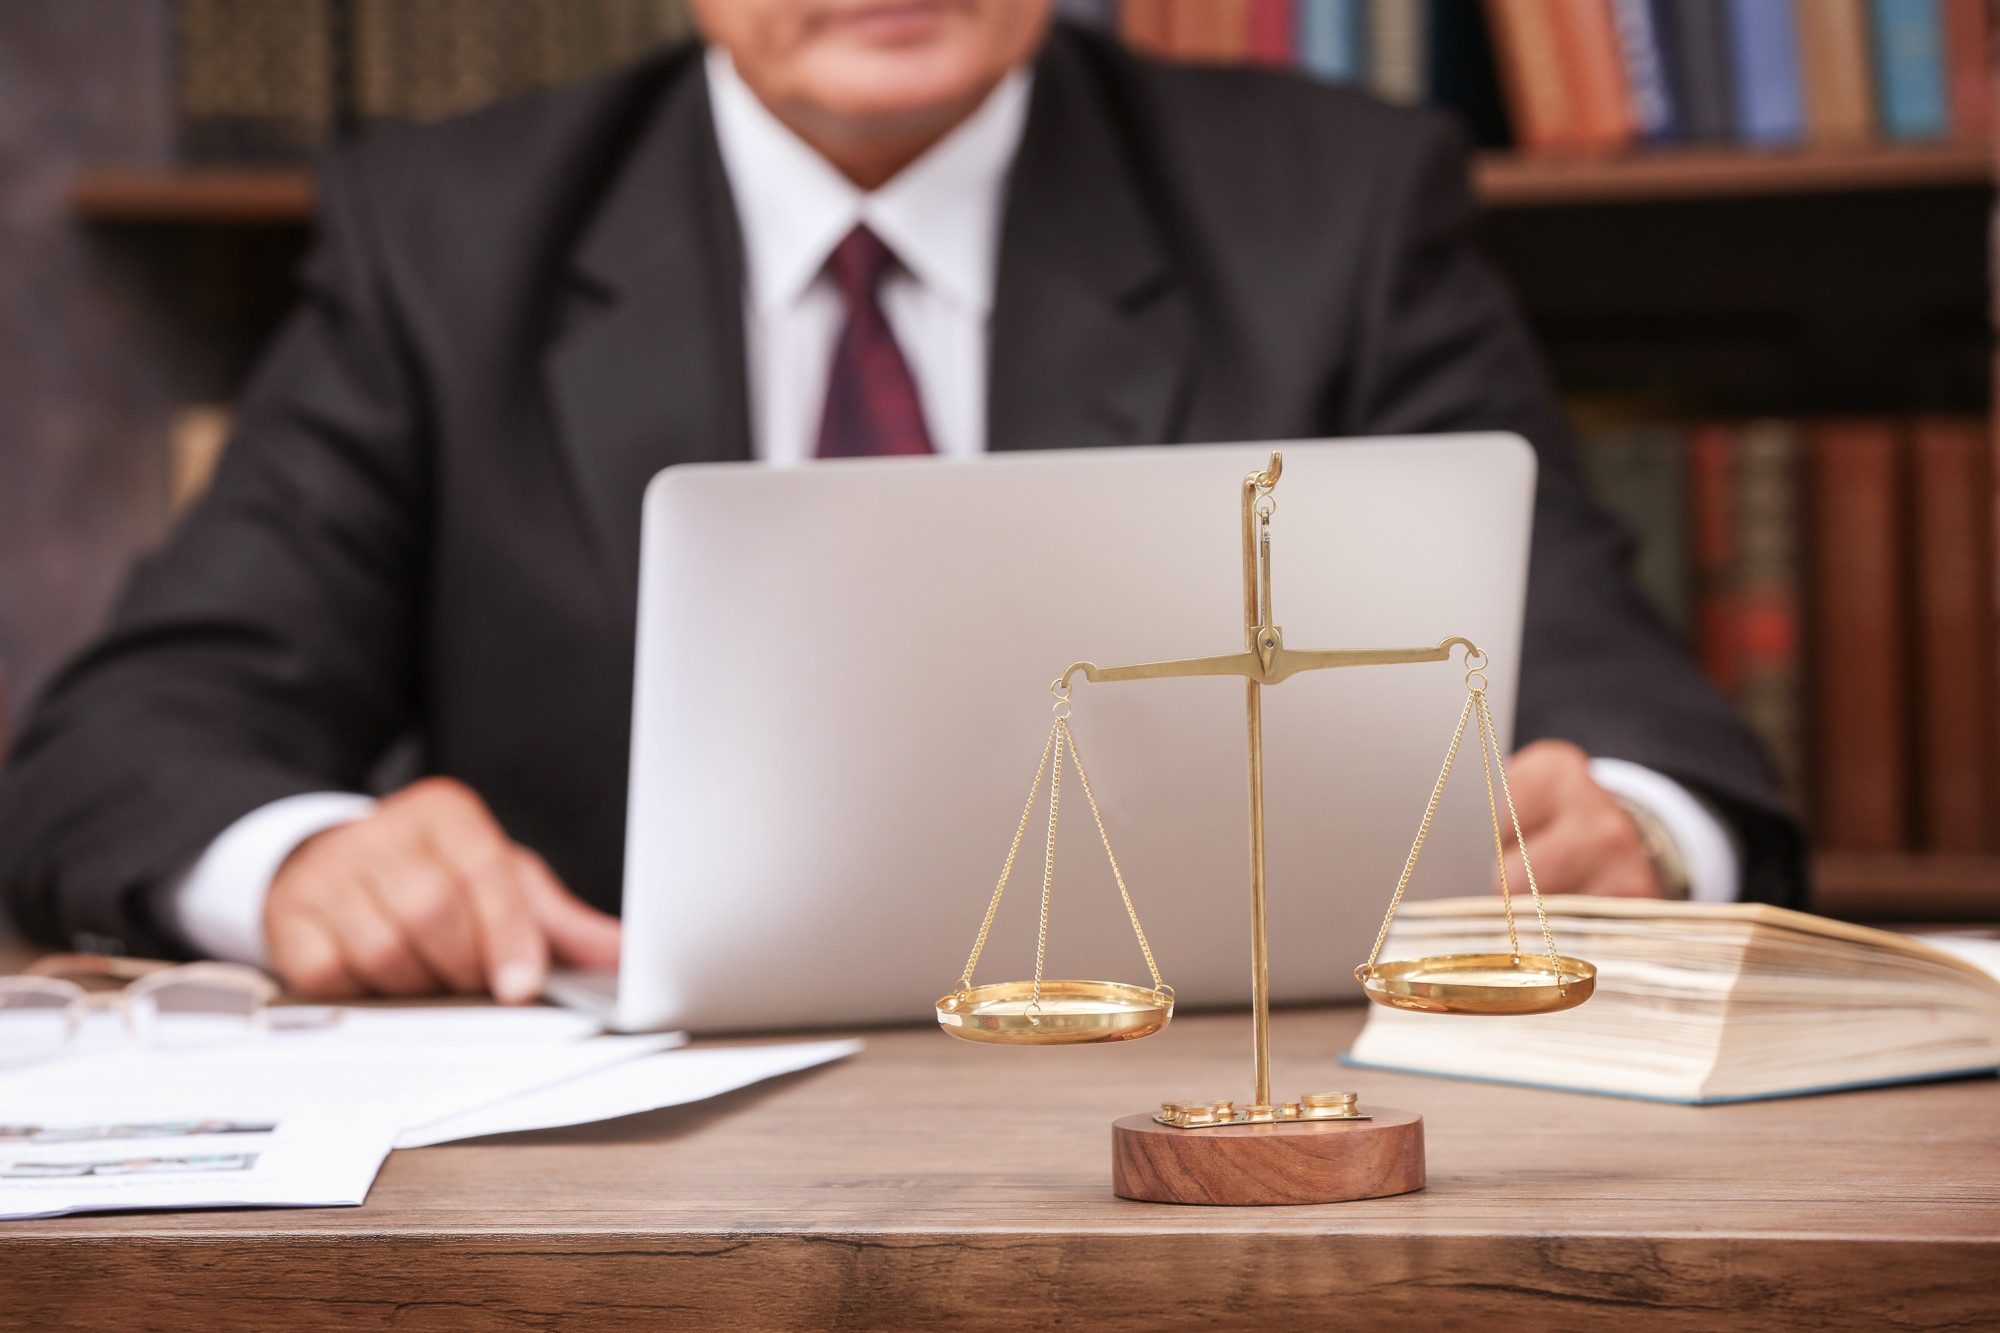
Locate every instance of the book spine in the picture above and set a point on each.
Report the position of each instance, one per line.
(254, 79)
(1398, 54)
(1860, 737)
(1700, 41)
(1764, 45)
(1640, 474)
(1654, 115)
(1909, 68)
(1586, 35)
(1833, 55)
(1531, 74)
(1767, 490)
(1271, 35)
(1951, 521)
(1712, 522)
(1147, 25)
(1968, 40)
(1331, 40)
(1101, 14)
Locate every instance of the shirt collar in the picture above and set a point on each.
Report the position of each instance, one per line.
(940, 215)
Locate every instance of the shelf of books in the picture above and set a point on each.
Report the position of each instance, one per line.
(254, 195)
(1833, 567)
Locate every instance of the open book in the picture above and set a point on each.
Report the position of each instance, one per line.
(1704, 1003)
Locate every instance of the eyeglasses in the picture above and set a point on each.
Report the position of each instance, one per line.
(162, 1004)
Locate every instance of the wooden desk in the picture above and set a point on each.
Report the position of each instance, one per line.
(928, 1184)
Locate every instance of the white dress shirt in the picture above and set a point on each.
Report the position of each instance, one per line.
(941, 217)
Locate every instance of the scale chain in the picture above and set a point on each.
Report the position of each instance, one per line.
(1488, 757)
(1423, 830)
(1049, 864)
(1541, 913)
(1111, 856)
(1007, 870)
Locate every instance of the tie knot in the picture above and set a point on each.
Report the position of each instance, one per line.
(859, 263)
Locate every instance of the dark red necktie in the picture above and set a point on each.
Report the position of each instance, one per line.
(871, 400)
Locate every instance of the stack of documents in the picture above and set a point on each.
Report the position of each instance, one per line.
(303, 1116)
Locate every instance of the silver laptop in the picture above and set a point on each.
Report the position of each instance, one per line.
(843, 690)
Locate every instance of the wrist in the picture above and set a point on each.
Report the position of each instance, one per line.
(1670, 871)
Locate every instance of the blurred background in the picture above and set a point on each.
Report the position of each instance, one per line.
(1752, 235)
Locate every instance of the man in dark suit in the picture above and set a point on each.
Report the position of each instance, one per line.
(848, 226)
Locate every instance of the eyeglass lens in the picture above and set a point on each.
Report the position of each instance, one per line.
(35, 1022)
(194, 1012)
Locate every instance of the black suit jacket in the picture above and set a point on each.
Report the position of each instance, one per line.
(429, 518)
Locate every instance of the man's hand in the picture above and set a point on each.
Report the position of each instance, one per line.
(426, 894)
(1580, 837)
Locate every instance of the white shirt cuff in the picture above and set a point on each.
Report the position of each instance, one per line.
(1714, 870)
(219, 904)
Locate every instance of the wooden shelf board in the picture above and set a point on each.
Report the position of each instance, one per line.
(257, 195)
(266, 195)
(1906, 886)
(1513, 180)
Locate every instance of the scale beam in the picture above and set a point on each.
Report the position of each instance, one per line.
(1272, 663)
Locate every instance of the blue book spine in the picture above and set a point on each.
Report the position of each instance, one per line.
(1764, 50)
(1332, 40)
(1640, 43)
(1090, 13)
(1909, 68)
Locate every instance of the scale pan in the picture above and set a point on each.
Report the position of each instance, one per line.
(1479, 983)
(1072, 1012)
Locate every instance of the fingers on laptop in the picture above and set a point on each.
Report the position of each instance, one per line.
(426, 894)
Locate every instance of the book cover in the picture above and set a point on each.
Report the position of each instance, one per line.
(1951, 512)
(1594, 68)
(1764, 46)
(1532, 77)
(1767, 593)
(1462, 76)
(1968, 45)
(1641, 45)
(1332, 39)
(1270, 31)
(1212, 31)
(1398, 49)
(1833, 59)
(1698, 35)
(1640, 473)
(1909, 68)
(1711, 482)
(1856, 487)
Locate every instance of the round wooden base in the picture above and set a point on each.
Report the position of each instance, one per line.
(1322, 1161)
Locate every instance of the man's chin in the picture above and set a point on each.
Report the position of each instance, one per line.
(900, 86)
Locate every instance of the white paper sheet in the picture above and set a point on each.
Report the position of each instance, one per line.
(66, 1164)
(349, 1089)
(673, 1078)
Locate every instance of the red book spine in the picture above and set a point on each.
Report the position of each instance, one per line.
(1147, 25)
(1968, 47)
(1712, 516)
(1862, 742)
(1951, 514)
(1273, 24)
(1539, 100)
(1593, 65)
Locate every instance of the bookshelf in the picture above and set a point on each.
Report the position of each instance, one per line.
(284, 195)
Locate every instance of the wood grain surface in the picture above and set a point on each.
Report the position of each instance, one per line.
(933, 1184)
(1241, 1166)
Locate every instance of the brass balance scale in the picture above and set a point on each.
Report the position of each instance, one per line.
(1324, 1147)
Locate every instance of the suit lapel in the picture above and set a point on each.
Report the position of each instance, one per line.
(647, 367)
(1092, 337)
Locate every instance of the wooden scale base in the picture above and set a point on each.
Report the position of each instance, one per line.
(1298, 1162)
